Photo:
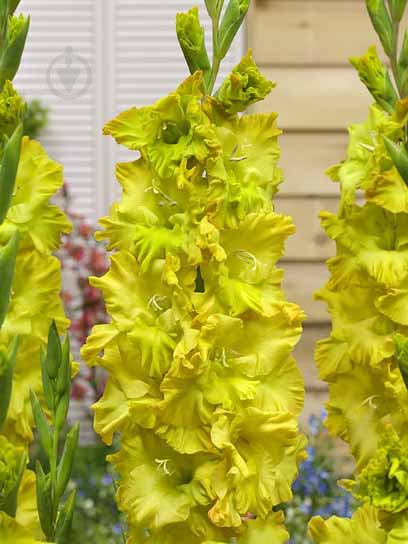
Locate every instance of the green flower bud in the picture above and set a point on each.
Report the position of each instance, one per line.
(244, 86)
(44, 431)
(399, 156)
(401, 353)
(65, 518)
(190, 35)
(382, 24)
(12, 464)
(44, 498)
(61, 411)
(8, 170)
(64, 371)
(403, 65)
(214, 7)
(67, 460)
(8, 256)
(397, 8)
(375, 77)
(231, 22)
(383, 483)
(12, 109)
(47, 384)
(7, 364)
(12, 6)
(54, 352)
(12, 53)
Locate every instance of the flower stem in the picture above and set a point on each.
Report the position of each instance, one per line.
(216, 49)
(53, 469)
(394, 58)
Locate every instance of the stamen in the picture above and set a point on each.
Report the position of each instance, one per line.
(370, 402)
(247, 257)
(158, 191)
(162, 464)
(155, 301)
(367, 147)
(224, 358)
(236, 159)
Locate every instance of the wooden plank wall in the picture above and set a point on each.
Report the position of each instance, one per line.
(304, 46)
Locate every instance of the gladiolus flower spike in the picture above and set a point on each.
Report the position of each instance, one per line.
(203, 390)
(365, 359)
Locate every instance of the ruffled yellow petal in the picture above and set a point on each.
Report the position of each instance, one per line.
(38, 179)
(11, 532)
(363, 527)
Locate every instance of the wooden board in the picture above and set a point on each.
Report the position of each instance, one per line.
(301, 281)
(316, 98)
(306, 157)
(304, 356)
(310, 242)
(309, 31)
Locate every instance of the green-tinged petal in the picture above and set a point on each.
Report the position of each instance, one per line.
(395, 305)
(332, 357)
(267, 342)
(363, 527)
(375, 76)
(155, 484)
(368, 333)
(12, 108)
(256, 443)
(383, 483)
(251, 176)
(138, 199)
(36, 302)
(38, 179)
(368, 242)
(184, 416)
(11, 532)
(359, 162)
(266, 531)
(244, 86)
(134, 128)
(282, 389)
(111, 412)
(130, 295)
(258, 242)
(359, 401)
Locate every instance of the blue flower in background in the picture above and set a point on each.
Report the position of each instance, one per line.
(316, 492)
(106, 479)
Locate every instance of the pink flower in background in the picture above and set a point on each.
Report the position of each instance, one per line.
(82, 256)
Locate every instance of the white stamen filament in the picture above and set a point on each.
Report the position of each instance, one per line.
(155, 301)
(162, 464)
(367, 147)
(247, 257)
(224, 358)
(158, 191)
(370, 401)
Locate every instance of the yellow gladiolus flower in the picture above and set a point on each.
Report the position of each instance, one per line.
(203, 390)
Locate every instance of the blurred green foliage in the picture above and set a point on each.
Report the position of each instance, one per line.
(35, 119)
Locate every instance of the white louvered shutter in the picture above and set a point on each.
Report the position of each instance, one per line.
(132, 49)
(72, 132)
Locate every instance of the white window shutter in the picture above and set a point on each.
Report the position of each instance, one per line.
(132, 49)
